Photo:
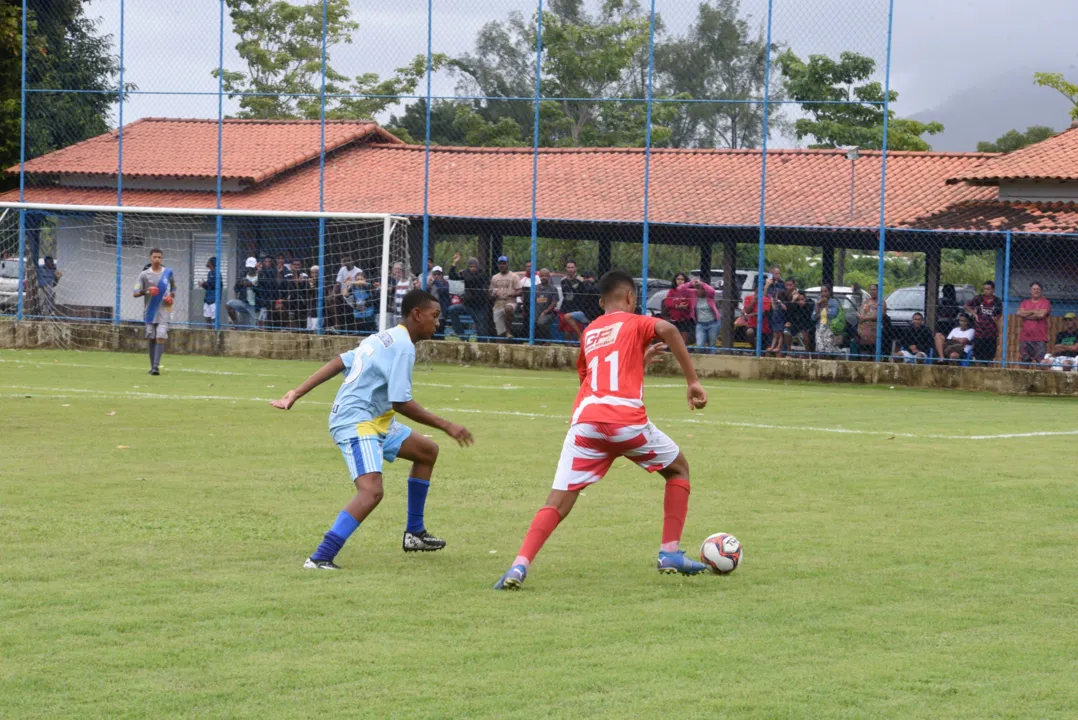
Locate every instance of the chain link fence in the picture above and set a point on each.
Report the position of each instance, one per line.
(742, 159)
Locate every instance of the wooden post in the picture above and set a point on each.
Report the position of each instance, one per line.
(729, 292)
(705, 259)
(605, 250)
(932, 282)
(491, 245)
(827, 266)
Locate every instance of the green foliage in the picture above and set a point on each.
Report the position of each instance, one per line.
(281, 42)
(723, 57)
(1057, 82)
(1013, 140)
(65, 50)
(847, 115)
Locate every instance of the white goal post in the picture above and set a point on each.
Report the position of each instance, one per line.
(337, 232)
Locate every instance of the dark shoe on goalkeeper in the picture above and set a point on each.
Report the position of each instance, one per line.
(421, 542)
(513, 578)
(676, 562)
(313, 564)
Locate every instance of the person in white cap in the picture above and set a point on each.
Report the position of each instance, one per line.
(241, 311)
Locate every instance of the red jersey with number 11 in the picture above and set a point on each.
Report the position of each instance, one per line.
(611, 368)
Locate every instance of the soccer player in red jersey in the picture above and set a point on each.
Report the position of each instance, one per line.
(609, 421)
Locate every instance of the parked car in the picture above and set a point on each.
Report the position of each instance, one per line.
(9, 284)
(904, 302)
(746, 283)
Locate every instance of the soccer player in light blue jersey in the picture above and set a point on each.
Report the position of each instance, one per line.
(377, 385)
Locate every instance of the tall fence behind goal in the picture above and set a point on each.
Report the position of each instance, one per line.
(269, 266)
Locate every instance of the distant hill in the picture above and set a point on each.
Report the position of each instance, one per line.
(988, 111)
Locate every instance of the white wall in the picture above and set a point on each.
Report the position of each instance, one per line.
(1038, 191)
(86, 253)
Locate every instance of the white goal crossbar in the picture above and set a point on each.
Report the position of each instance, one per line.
(389, 224)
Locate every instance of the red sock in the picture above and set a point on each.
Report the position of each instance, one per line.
(542, 525)
(675, 509)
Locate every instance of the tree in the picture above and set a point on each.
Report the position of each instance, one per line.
(1055, 81)
(281, 42)
(1013, 140)
(586, 58)
(64, 51)
(841, 111)
(454, 123)
(721, 57)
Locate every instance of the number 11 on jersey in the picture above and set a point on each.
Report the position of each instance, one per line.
(593, 370)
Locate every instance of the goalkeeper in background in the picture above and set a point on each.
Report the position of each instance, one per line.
(157, 285)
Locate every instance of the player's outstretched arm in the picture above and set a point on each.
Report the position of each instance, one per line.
(414, 411)
(669, 334)
(330, 370)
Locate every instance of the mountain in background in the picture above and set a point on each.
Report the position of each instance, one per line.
(985, 112)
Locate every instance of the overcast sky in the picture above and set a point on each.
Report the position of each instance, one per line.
(940, 47)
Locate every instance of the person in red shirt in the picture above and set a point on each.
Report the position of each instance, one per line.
(678, 305)
(609, 421)
(1033, 337)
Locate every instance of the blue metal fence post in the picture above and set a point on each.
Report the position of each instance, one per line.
(883, 186)
(20, 306)
(120, 181)
(1006, 294)
(763, 189)
(535, 170)
(426, 150)
(322, 184)
(219, 289)
(645, 247)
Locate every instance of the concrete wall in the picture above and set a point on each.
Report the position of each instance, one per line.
(299, 346)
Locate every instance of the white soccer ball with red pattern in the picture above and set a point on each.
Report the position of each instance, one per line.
(721, 552)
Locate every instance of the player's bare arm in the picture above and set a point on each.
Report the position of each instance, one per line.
(414, 411)
(669, 334)
(330, 370)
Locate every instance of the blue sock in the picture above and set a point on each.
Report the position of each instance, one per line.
(417, 500)
(334, 540)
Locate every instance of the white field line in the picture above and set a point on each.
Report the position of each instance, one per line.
(68, 393)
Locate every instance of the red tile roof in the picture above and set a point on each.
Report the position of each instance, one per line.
(1053, 159)
(1050, 217)
(703, 187)
(252, 150)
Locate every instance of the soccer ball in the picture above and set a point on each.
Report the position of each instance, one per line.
(721, 552)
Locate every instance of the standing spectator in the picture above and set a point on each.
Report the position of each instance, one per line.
(573, 316)
(475, 301)
(504, 289)
(959, 340)
(296, 295)
(546, 304)
(267, 291)
(774, 283)
(48, 277)
(312, 298)
(705, 315)
(525, 281)
(867, 323)
(589, 296)
(157, 285)
(985, 308)
(678, 306)
(400, 283)
(826, 317)
(779, 302)
(341, 307)
(209, 303)
(1033, 336)
(243, 311)
(799, 325)
(364, 304)
(1065, 350)
(915, 341)
(439, 288)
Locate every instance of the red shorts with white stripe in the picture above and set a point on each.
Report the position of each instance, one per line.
(591, 448)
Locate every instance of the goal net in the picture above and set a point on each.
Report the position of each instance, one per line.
(297, 272)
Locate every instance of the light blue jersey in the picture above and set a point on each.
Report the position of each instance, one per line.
(378, 373)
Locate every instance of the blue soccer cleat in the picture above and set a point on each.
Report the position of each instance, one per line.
(513, 578)
(676, 562)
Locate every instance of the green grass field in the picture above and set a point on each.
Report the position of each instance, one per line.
(152, 532)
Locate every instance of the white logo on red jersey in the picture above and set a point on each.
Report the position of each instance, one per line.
(595, 339)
